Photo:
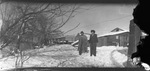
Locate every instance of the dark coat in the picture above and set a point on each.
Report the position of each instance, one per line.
(93, 39)
(83, 44)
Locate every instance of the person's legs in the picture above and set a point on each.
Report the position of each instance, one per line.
(94, 49)
(91, 49)
(86, 47)
(83, 49)
(80, 51)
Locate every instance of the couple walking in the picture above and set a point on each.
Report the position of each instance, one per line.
(84, 43)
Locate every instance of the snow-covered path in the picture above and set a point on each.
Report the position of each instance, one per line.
(68, 56)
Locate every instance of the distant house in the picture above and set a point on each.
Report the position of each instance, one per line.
(61, 39)
(70, 38)
(117, 37)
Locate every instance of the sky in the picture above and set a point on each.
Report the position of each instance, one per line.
(101, 18)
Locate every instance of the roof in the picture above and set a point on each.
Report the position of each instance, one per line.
(117, 30)
(113, 33)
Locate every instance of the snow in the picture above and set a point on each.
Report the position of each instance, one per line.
(113, 33)
(68, 56)
(7, 63)
(121, 59)
(146, 66)
(75, 42)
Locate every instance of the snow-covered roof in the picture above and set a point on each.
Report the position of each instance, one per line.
(113, 33)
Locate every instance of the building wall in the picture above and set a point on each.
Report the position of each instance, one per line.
(124, 39)
(114, 40)
(102, 41)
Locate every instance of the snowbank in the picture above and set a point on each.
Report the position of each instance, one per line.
(7, 63)
(107, 56)
(68, 56)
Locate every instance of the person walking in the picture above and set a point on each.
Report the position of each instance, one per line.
(93, 43)
(83, 43)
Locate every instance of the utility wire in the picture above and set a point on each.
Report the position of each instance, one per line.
(107, 21)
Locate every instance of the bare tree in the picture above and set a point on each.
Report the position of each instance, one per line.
(26, 13)
(72, 29)
(22, 23)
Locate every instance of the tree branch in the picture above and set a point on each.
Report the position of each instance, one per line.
(64, 22)
(72, 29)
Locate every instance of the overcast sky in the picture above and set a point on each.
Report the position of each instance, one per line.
(102, 18)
